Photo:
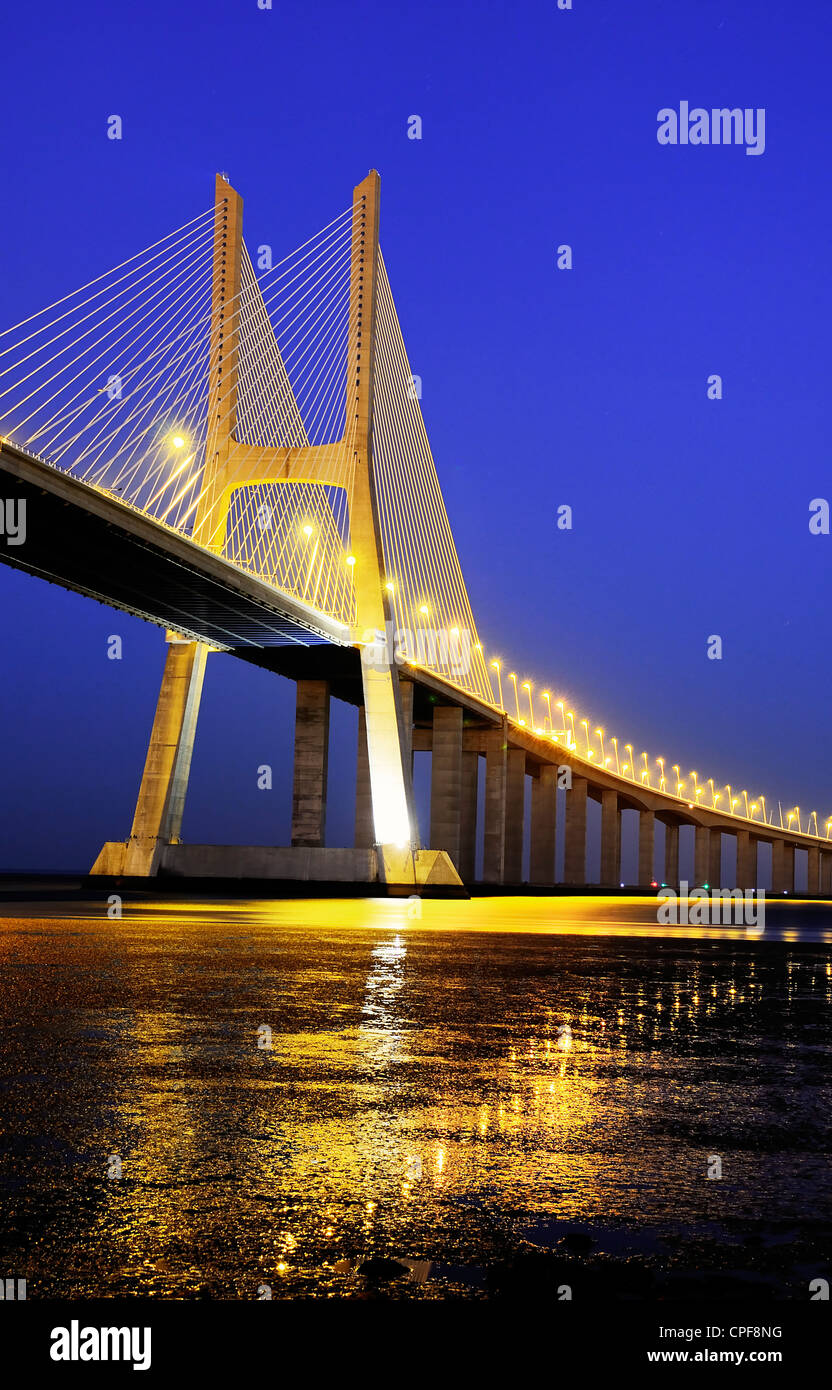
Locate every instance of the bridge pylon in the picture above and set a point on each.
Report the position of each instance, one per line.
(232, 463)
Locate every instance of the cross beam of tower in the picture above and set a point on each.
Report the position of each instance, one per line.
(232, 464)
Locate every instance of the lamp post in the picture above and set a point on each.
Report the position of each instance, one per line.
(617, 764)
(496, 667)
(513, 678)
(600, 734)
(547, 697)
(527, 686)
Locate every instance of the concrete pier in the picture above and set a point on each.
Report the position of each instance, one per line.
(515, 815)
(364, 834)
(813, 873)
(715, 859)
(701, 855)
(574, 859)
(446, 781)
(746, 874)
(311, 762)
(494, 838)
(610, 839)
(544, 825)
(671, 855)
(468, 829)
(646, 847)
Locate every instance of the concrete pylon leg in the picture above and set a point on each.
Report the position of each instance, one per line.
(494, 847)
(715, 859)
(671, 855)
(646, 847)
(826, 875)
(363, 794)
(747, 860)
(468, 833)
(544, 814)
(311, 761)
(813, 872)
(515, 807)
(610, 839)
(161, 800)
(446, 781)
(701, 855)
(406, 690)
(574, 856)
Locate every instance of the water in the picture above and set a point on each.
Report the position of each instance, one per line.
(417, 1127)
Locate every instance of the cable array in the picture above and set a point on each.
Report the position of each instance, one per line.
(422, 570)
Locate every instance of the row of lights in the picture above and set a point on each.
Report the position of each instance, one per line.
(629, 767)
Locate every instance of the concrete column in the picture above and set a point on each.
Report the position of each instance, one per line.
(311, 760)
(574, 859)
(671, 855)
(544, 813)
(746, 875)
(406, 688)
(715, 859)
(701, 855)
(515, 807)
(161, 797)
(494, 838)
(826, 875)
(788, 866)
(646, 847)
(779, 872)
(610, 839)
(468, 834)
(446, 781)
(364, 834)
(813, 876)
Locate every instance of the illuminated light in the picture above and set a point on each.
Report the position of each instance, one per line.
(391, 588)
(523, 723)
(178, 441)
(454, 631)
(350, 559)
(307, 531)
(424, 609)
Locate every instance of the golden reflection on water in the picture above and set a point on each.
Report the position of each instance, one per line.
(421, 1093)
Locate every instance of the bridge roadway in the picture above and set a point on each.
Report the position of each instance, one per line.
(96, 544)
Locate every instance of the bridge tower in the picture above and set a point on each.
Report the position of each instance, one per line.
(230, 464)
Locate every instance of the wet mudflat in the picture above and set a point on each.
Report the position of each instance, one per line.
(342, 1099)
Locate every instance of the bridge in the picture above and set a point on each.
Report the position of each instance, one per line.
(234, 450)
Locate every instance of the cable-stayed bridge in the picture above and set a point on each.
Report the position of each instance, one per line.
(235, 451)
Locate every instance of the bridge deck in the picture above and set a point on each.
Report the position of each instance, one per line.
(90, 542)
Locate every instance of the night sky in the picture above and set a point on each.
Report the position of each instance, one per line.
(541, 386)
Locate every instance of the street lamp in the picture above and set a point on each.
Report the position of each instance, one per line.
(562, 717)
(513, 678)
(629, 748)
(585, 727)
(496, 666)
(663, 779)
(528, 688)
(547, 697)
(600, 733)
(645, 776)
(617, 764)
(570, 716)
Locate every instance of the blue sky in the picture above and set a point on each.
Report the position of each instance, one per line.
(541, 387)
